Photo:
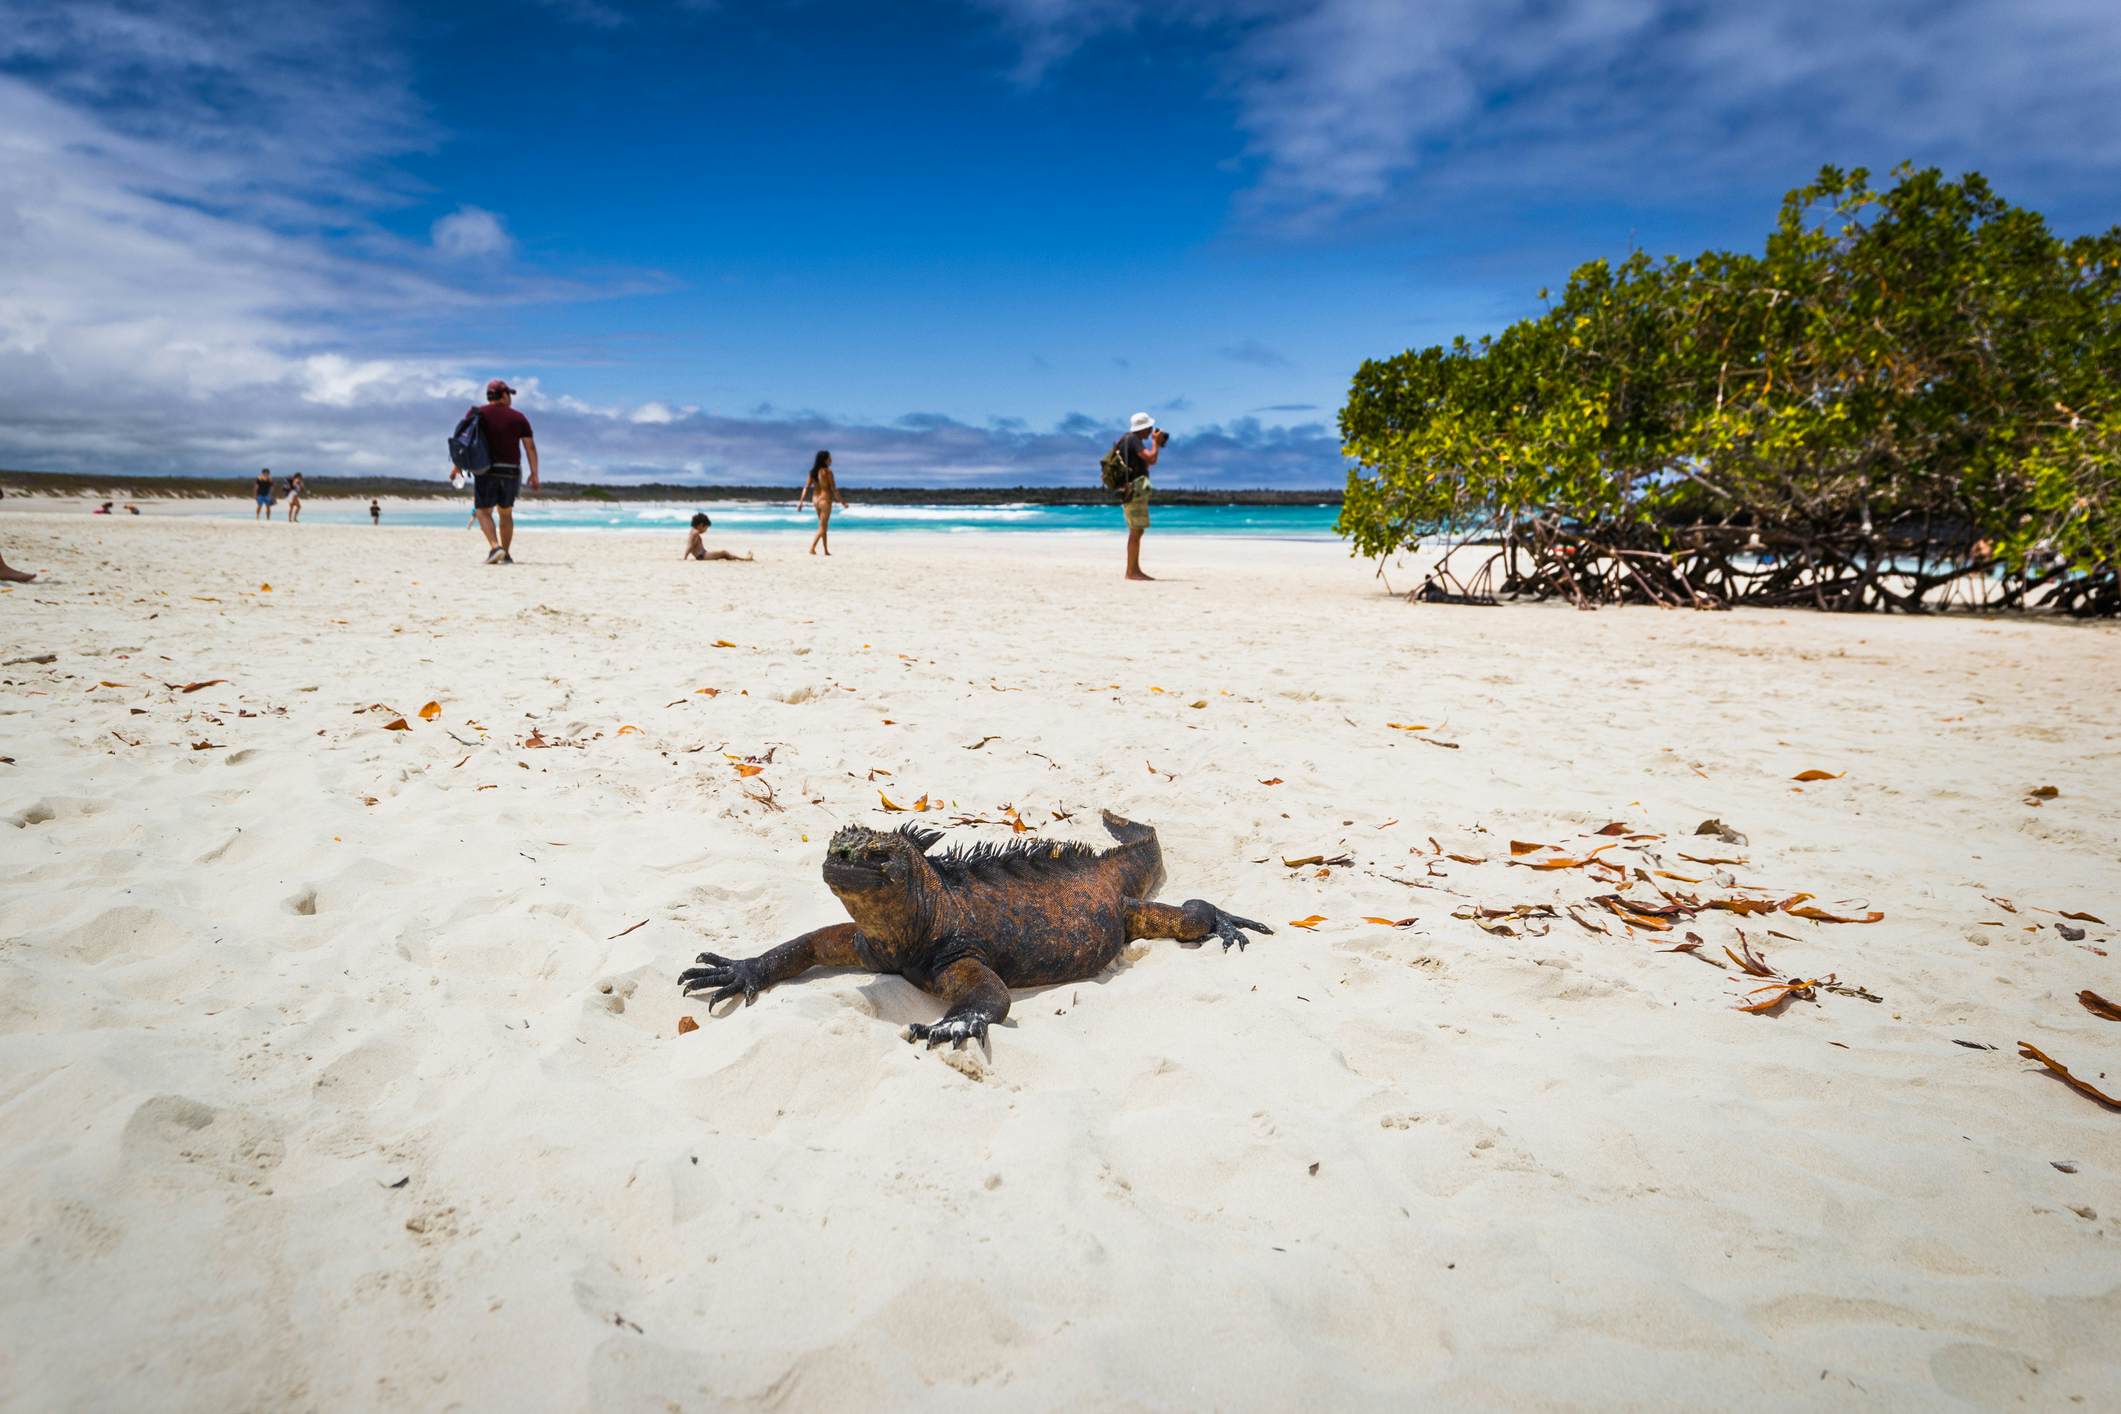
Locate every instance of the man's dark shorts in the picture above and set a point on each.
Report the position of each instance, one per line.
(495, 488)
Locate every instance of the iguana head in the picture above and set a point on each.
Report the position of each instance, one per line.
(882, 877)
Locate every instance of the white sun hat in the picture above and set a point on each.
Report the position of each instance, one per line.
(1140, 422)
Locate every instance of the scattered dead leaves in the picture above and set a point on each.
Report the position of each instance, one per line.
(686, 1023)
(428, 713)
(1391, 922)
(1335, 861)
(1818, 775)
(1312, 922)
(397, 724)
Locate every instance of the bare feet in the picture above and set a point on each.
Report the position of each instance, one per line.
(14, 576)
(1137, 574)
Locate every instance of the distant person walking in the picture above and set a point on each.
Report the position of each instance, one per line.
(294, 498)
(1138, 450)
(375, 513)
(263, 487)
(508, 440)
(821, 490)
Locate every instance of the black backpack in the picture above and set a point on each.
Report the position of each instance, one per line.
(468, 451)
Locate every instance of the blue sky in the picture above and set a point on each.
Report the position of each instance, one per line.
(955, 242)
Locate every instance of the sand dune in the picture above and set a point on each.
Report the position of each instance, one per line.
(331, 1075)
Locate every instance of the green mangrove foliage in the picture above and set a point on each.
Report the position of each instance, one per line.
(1911, 398)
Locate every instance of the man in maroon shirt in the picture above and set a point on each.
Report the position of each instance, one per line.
(494, 489)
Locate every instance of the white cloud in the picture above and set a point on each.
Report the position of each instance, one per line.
(1344, 101)
(471, 231)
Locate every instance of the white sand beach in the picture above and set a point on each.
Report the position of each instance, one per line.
(339, 1065)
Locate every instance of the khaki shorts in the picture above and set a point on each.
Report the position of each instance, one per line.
(1137, 511)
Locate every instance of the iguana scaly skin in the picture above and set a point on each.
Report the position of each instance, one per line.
(970, 924)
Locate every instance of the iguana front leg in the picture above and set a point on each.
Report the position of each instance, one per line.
(976, 999)
(1192, 922)
(748, 976)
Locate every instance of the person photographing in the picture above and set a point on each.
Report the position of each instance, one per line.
(1126, 471)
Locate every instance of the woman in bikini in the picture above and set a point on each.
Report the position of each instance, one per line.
(820, 488)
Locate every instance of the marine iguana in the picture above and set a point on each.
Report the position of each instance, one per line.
(967, 925)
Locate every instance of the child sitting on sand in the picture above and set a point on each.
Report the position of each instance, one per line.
(696, 543)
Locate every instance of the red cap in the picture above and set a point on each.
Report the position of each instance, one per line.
(495, 387)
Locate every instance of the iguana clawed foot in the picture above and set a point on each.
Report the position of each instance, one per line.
(735, 976)
(955, 1029)
(1226, 925)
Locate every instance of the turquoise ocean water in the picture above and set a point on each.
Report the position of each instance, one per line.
(754, 517)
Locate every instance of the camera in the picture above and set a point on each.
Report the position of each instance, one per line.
(1162, 436)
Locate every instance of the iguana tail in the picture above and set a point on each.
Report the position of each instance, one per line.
(1138, 842)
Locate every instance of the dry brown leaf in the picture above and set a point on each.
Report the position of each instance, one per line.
(624, 931)
(2099, 1006)
(1750, 962)
(1466, 858)
(686, 1023)
(1818, 775)
(1616, 828)
(1586, 924)
(196, 686)
(1820, 915)
(745, 769)
(1710, 858)
(1561, 861)
(981, 742)
(1408, 726)
(397, 724)
(2083, 917)
(265, 589)
(2041, 793)
(1527, 847)
(1271, 781)
(2083, 1087)
(1796, 989)
(629, 730)
(1744, 906)
(1391, 922)
(1312, 922)
(890, 804)
(1202, 703)
(722, 643)
(1680, 878)
(200, 745)
(431, 711)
